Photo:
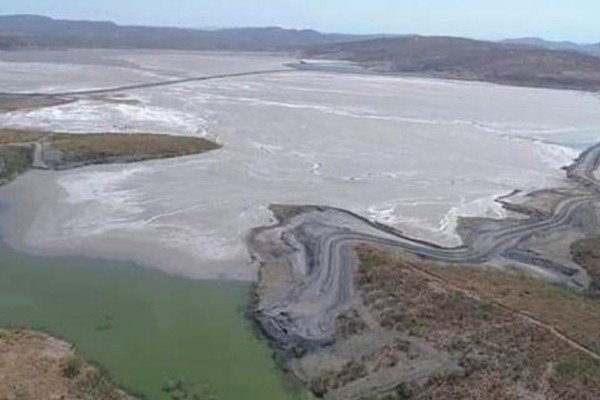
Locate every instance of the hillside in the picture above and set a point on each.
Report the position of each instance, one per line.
(42, 32)
(593, 49)
(466, 59)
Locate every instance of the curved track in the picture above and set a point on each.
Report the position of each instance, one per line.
(317, 245)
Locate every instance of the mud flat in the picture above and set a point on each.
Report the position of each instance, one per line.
(377, 146)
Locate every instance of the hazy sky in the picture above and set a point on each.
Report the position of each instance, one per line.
(554, 19)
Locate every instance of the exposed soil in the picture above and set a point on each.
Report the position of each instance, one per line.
(36, 366)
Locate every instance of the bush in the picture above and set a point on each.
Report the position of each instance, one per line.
(73, 367)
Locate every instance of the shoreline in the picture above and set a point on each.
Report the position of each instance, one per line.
(166, 260)
(65, 370)
(105, 307)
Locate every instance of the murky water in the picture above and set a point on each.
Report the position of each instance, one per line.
(144, 326)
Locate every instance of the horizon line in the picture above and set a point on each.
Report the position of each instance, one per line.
(294, 28)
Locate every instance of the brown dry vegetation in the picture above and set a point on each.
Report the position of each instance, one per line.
(468, 313)
(14, 160)
(35, 366)
(586, 252)
(15, 155)
(569, 312)
(8, 136)
(70, 150)
(94, 148)
(13, 103)
(334, 379)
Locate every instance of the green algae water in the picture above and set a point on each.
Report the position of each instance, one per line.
(143, 326)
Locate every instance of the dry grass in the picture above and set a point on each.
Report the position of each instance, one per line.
(467, 313)
(75, 148)
(586, 252)
(14, 160)
(70, 150)
(328, 381)
(571, 313)
(36, 366)
(8, 136)
(16, 155)
(14, 103)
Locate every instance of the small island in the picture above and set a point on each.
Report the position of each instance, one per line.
(21, 150)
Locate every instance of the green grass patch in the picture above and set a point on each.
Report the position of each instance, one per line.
(578, 366)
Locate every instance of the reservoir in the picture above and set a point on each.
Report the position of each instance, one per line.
(144, 326)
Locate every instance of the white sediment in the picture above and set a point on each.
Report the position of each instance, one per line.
(412, 153)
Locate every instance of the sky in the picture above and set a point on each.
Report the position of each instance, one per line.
(575, 20)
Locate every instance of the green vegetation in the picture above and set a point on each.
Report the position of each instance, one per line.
(577, 366)
(181, 389)
(14, 160)
(74, 150)
(73, 367)
(162, 326)
(99, 148)
(586, 252)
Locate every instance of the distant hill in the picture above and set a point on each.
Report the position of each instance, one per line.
(593, 49)
(467, 59)
(42, 32)
(526, 61)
